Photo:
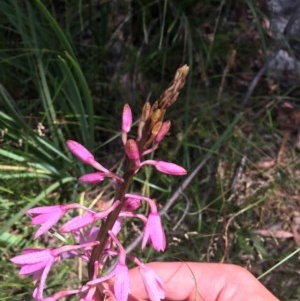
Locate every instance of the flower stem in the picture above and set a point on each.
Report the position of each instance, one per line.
(102, 236)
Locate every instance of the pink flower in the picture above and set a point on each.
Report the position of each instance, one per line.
(126, 119)
(92, 178)
(126, 122)
(117, 225)
(80, 152)
(84, 155)
(166, 167)
(121, 273)
(132, 150)
(37, 262)
(89, 235)
(131, 204)
(153, 284)
(154, 233)
(46, 216)
(96, 177)
(164, 129)
(86, 219)
(33, 260)
(122, 283)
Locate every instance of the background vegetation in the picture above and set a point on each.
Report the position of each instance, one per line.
(68, 67)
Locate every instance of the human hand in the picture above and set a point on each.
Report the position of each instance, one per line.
(202, 282)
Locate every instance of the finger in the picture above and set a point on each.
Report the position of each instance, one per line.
(203, 282)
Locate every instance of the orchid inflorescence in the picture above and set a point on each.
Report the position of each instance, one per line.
(95, 244)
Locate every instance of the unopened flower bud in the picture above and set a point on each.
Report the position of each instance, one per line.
(146, 111)
(166, 167)
(164, 129)
(144, 118)
(156, 116)
(92, 178)
(80, 152)
(132, 150)
(156, 129)
(170, 168)
(131, 204)
(126, 119)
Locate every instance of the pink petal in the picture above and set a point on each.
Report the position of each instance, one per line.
(32, 257)
(122, 284)
(47, 221)
(31, 250)
(38, 292)
(52, 220)
(88, 235)
(80, 151)
(78, 222)
(117, 225)
(153, 284)
(32, 268)
(48, 217)
(43, 209)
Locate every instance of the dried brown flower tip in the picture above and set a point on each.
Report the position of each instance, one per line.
(152, 116)
(156, 116)
(146, 111)
(182, 72)
(170, 95)
(154, 131)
